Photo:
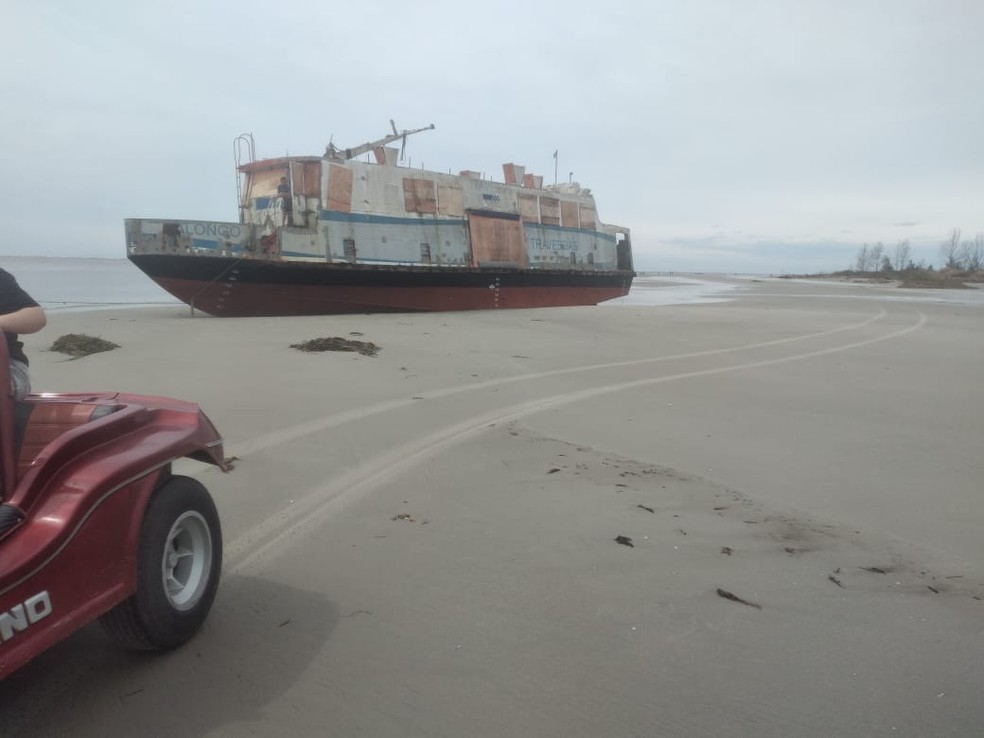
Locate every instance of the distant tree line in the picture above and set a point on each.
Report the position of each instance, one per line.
(957, 254)
(967, 256)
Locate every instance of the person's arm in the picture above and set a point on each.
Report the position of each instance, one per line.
(25, 320)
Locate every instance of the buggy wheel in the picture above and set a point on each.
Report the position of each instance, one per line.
(179, 558)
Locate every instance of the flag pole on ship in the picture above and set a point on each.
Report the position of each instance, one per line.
(555, 166)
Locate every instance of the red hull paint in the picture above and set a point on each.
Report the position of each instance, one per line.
(244, 299)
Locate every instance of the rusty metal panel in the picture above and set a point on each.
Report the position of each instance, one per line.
(386, 155)
(419, 195)
(513, 173)
(450, 200)
(529, 210)
(263, 183)
(550, 210)
(568, 214)
(409, 196)
(310, 180)
(426, 195)
(496, 240)
(339, 188)
(589, 217)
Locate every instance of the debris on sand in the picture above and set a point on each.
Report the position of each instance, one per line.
(404, 516)
(625, 541)
(646, 507)
(727, 550)
(874, 569)
(835, 580)
(366, 348)
(78, 345)
(735, 598)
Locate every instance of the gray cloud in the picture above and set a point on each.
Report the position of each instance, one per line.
(798, 122)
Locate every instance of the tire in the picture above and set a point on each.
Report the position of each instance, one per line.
(179, 559)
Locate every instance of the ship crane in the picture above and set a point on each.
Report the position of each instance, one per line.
(336, 154)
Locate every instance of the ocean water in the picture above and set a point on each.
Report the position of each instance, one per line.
(67, 283)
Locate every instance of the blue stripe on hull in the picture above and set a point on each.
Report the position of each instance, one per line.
(334, 215)
(372, 218)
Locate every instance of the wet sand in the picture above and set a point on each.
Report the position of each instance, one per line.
(423, 543)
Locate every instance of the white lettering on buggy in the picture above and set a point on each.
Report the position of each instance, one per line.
(21, 617)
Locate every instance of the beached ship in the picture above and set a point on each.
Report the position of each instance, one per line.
(333, 234)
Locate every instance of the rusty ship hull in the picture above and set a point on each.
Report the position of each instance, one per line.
(227, 286)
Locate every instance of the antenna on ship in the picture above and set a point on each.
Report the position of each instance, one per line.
(336, 154)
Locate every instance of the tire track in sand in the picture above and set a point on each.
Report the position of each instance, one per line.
(286, 435)
(312, 508)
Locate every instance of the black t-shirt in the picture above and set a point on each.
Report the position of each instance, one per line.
(283, 191)
(12, 299)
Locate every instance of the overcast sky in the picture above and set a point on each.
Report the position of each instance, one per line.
(772, 136)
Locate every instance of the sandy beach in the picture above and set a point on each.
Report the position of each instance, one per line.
(423, 542)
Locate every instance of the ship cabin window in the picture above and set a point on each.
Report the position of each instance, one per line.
(425, 253)
(590, 258)
(349, 244)
(573, 257)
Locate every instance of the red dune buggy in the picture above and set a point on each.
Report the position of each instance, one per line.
(93, 524)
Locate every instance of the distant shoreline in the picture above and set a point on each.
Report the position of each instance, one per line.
(913, 278)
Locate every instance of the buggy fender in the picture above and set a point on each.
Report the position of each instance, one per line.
(119, 459)
(54, 584)
(143, 433)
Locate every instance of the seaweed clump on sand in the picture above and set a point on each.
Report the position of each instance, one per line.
(366, 348)
(78, 345)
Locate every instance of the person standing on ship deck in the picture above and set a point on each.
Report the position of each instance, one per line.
(286, 201)
(19, 313)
